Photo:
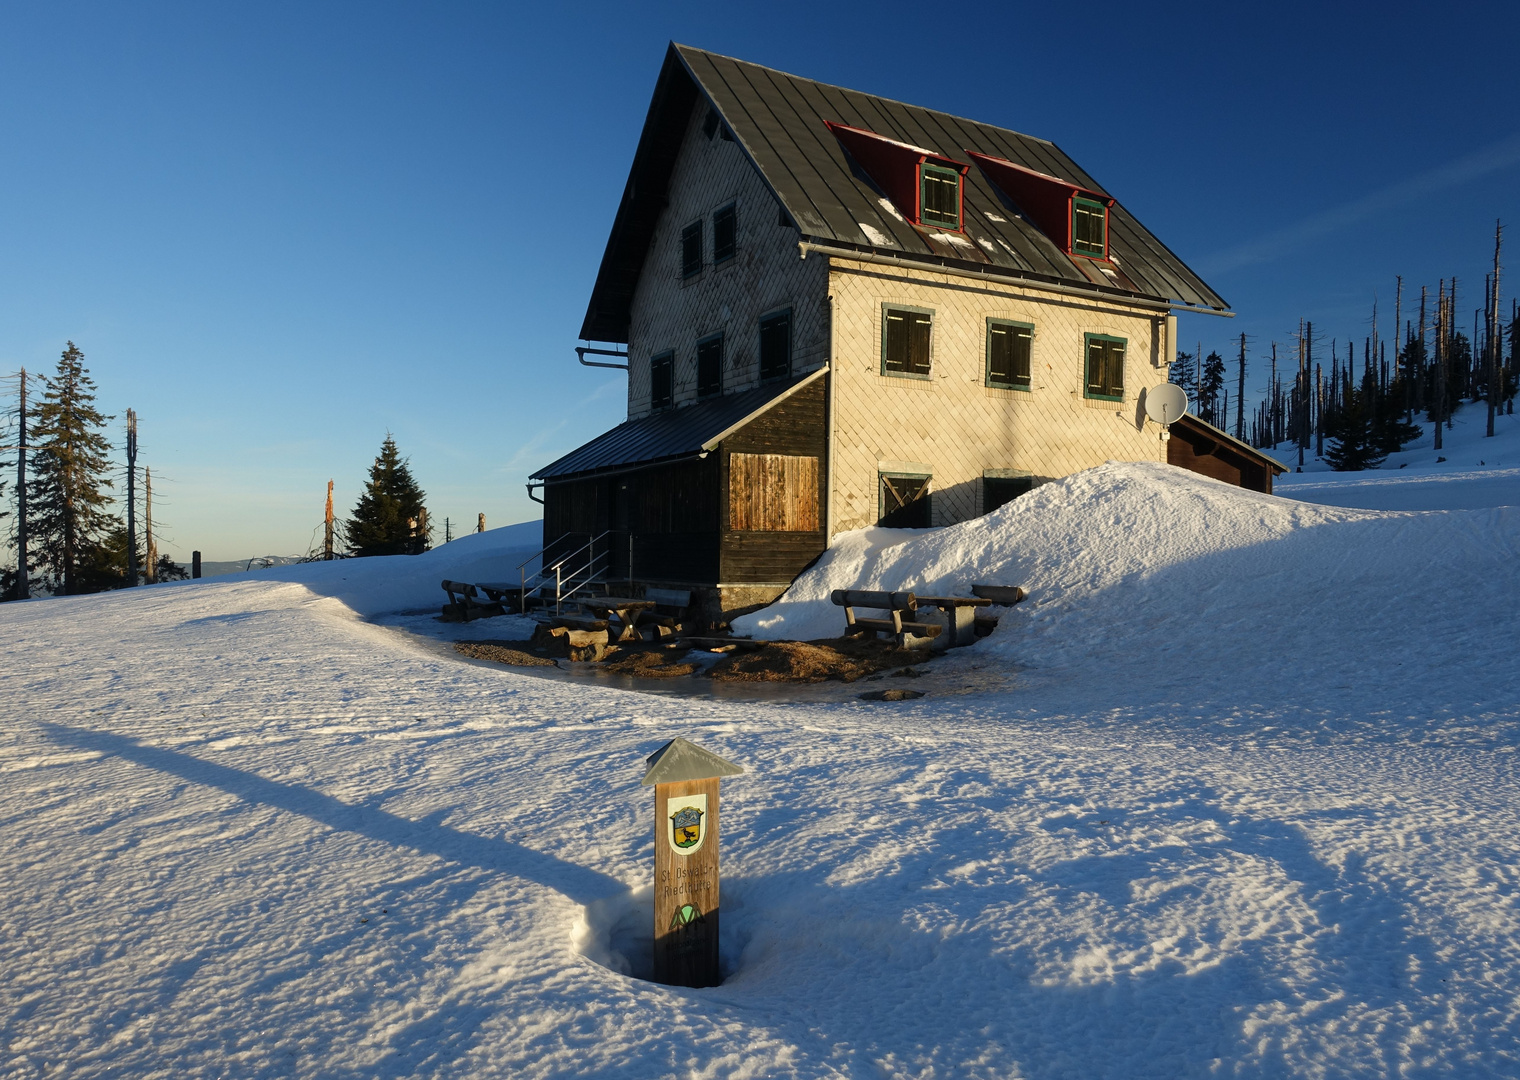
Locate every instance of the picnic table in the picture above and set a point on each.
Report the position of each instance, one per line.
(960, 618)
(621, 613)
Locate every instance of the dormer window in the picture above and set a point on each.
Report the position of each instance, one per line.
(1075, 218)
(1089, 228)
(924, 185)
(939, 196)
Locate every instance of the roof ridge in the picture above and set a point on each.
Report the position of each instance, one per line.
(852, 90)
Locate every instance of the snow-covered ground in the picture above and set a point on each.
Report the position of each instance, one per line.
(1244, 802)
(1469, 472)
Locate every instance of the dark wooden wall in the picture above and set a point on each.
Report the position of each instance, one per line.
(678, 514)
(797, 426)
(1198, 453)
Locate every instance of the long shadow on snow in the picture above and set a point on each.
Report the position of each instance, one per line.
(575, 882)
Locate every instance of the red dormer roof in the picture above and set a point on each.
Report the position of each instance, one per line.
(1044, 198)
(894, 166)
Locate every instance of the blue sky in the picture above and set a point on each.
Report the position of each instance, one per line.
(280, 231)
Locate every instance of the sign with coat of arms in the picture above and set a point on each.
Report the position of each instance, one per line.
(686, 828)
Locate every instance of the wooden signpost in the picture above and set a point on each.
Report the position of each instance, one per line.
(685, 781)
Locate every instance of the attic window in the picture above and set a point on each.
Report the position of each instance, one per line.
(661, 380)
(725, 233)
(691, 249)
(940, 196)
(1089, 228)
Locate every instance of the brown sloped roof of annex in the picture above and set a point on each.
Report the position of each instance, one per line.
(673, 434)
(778, 121)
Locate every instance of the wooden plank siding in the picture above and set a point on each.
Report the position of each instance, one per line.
(776, 442)
(773, 493)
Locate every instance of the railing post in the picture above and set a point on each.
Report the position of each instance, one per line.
(557, 587)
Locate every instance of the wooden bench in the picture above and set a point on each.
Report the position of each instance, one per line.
(465, 603)
(620, 612)
(897, 604)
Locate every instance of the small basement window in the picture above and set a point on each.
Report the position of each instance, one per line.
(1002, 486)
(1105, 367)
(691, 249)
(776, 345)
(904, 501)
(710, 366)
(725, 233)
(939, 196)
(662, 380)
(1089, 228)
(1008, 348)
(905, 342)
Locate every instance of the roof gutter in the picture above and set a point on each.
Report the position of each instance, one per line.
(805, 246)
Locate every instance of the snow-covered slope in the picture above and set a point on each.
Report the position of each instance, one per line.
(1154, 576)
(1249, 808)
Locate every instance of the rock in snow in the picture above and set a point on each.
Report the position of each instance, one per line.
(1243, 802)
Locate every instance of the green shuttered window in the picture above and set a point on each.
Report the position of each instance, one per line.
(905, 339)
(1105, 367)
(1008, 348)
(903, 501)
(940, 196)
(1089, 228)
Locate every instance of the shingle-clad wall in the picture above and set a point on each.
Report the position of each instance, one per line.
(765, 275)
(955, 424)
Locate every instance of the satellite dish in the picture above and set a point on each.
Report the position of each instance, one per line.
(1166, 404)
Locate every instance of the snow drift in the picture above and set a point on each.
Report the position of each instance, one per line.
(1151, 567)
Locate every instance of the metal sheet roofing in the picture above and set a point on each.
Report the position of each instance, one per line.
(672, 434)
(778, 120)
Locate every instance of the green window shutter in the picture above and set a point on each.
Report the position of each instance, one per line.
(1089, 222)
(903, 501)
(905, 342)
(939, 196)
(1008, 354)
(1105, 367)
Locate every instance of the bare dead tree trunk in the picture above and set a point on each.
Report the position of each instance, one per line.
(131, 498)
(1494, 339)
(150, 540)
(1240, 392)
(23, 574)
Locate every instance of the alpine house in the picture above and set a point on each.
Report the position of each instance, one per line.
(840, 311)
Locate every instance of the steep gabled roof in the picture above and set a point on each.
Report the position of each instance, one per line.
(778, 120)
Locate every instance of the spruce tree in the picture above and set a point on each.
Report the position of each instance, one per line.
(68, 478)
(390, 518)
(1354, 436)
(1209, 390)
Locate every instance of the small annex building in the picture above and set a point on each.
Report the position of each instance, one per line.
(840, 310)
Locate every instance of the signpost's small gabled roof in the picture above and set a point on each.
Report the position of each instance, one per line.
(678, 761)
(780, 123)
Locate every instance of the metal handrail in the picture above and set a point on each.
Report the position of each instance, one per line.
(590, 569)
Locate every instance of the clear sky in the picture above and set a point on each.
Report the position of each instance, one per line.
(279, 231)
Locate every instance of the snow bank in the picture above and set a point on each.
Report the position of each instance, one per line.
(1146, 566)
(390, 583)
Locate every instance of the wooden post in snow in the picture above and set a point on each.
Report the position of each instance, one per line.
(327, 526)
(131, 498)
(685, 781)
(480, 525)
